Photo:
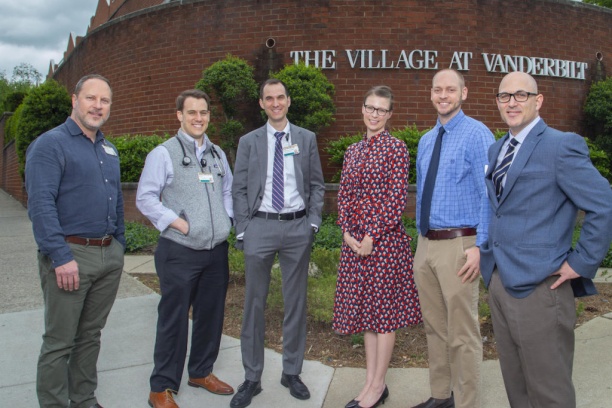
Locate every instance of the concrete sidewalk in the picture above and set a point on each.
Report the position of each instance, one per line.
(125, 361)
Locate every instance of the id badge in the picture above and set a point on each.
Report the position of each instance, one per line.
(109, 150)
(291, 150)
(205, 177)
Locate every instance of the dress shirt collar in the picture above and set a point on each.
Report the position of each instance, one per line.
(451, 124)
(523, 133)
(271, 131)
(75, 130)
(190, 139)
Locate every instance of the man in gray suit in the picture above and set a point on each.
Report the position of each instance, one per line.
(278, 197)
(537, 180)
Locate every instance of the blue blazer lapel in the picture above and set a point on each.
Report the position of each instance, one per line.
(522, 157)
(261, 148)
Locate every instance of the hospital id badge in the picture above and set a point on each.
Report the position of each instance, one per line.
(205, 177)
(291, 150)
(109, 150)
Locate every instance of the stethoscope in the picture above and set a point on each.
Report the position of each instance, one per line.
(187, 160)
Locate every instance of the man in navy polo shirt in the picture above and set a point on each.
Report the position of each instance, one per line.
(76, 207)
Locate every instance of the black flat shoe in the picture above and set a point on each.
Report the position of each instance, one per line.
(246, 391)
(296, 387)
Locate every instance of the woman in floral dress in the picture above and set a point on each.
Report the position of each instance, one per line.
(375, 292)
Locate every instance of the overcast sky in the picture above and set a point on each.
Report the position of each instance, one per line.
(36, 31)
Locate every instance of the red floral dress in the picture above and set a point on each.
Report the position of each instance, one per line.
(376, 293)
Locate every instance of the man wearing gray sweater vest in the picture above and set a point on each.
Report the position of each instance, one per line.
(185, 191)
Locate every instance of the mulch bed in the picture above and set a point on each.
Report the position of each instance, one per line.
(324, 345)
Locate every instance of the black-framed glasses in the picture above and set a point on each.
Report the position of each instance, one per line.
(519, 96)
(379, 111)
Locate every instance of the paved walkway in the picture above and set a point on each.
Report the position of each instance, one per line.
(125, 361)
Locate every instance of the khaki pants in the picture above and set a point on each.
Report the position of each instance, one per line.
(73, 322)
(450, 314)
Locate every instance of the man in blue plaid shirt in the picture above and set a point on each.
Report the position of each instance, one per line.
(452, 219)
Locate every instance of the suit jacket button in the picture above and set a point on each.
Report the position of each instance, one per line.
(496, 243)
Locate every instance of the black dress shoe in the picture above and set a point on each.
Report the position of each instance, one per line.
(246, 391)
(296, 386)
(381, 399)
(437, 403)
(352, 404)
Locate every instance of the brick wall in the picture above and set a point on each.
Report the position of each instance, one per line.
(10, 180)
(152, 55)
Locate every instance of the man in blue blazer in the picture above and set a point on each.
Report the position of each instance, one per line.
(537, 180)
(278, 197)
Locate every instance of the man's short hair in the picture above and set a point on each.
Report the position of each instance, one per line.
(79, 85)
(272, 81)
(191, 93)
(459, 75)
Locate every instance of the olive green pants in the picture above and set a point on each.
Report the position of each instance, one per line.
(67, 374)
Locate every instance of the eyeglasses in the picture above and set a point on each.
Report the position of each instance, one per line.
(519, 96)
(379, 111)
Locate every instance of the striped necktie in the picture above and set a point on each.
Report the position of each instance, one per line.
(278, 177)
(502, 169)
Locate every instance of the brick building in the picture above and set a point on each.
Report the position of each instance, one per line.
(153, 49)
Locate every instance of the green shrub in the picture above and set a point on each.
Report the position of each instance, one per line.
(411, 229)
(312, 104)
(13, 100)
(133, 150)
(10, 129)
(321, 296)
(330, 234)
(499, 133)
(337, 148)
(598, 106)
(607, 261)
(598, 115)
(326, 260)
(236, 262)
(409, 135)
(600, 159)
(44, 108)
(139, 236)
(230, 83)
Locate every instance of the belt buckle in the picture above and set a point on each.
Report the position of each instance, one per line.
(86, 242)
(280, 217)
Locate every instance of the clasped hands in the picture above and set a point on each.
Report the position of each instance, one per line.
(363, 248)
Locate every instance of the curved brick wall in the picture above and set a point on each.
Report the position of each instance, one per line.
(153, 54)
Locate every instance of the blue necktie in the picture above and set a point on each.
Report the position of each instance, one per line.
(430, 181)
(502, 169)
(278, 177)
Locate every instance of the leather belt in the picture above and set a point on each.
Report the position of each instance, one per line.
(282, 216)
(450, 233)
(101, 242)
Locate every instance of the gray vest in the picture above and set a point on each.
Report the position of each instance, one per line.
(200, 204)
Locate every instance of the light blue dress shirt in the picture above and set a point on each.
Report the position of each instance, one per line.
(459, 198)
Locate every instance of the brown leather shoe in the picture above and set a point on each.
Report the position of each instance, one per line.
(212, 384)
(162, 399)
